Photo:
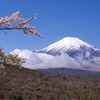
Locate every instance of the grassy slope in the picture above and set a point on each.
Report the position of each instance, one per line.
(26, 84)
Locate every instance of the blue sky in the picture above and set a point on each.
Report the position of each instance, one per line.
(57, 19)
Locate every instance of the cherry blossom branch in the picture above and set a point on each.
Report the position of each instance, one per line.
(6, 23)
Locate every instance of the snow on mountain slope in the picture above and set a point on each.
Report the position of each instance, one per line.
(70, 45)
(67, 43)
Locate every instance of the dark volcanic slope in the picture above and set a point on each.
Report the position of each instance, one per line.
(26, 84)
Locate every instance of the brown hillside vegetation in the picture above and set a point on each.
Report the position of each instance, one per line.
(26, 84)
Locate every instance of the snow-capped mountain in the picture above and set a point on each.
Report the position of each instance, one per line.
(69, 52)
(72, 46)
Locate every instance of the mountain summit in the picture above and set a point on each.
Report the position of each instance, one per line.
(71, 46)
(68, 43)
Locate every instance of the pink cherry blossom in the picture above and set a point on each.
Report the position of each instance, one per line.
(7, 23)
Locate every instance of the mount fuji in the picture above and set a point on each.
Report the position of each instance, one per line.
(72, 46)
(69, 52)
(80, 55)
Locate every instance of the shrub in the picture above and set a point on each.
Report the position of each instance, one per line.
(19, 98)
(10, 59)
(1, 96)
(51, 98)
(14, 59)
(39, 96)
